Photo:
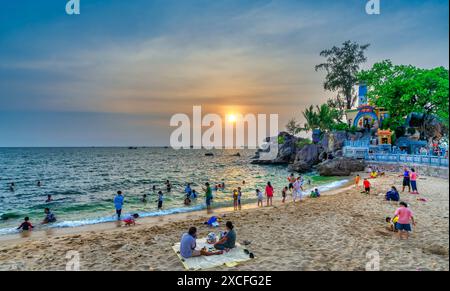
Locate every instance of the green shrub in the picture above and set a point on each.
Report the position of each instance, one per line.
(281, 140)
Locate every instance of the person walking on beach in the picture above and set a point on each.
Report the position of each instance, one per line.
(298, 187)
(208, 196)
(269, 194)
(406, 180)
(414, 182)
(235, 199)
(405, 217)
(118, 204)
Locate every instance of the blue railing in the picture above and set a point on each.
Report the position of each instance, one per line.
(409, 159)
(363, 153)
(357, 143)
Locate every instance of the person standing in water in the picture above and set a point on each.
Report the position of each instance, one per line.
(188, 190)
(160, 200)
(208, 196)
(39, 184)
(239, 198)
(168, 186)
(269, 194)
(118, 204)
(49, 199)
(12, 187)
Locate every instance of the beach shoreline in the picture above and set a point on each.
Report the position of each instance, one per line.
(153, 220)
(334, 232)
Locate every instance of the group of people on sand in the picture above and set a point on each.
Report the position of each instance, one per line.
(188, 244)
(403, 216)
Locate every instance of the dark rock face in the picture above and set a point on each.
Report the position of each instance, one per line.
(340, 167)
(306, 158)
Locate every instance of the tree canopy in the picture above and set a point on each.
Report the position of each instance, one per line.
(342, 66)
(403, 89)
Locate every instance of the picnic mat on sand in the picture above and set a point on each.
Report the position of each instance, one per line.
(230, 259)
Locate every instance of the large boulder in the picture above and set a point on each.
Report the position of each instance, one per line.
(340, 167)
(287, 149)
(306, 158)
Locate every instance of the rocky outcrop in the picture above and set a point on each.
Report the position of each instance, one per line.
(287, 149)
(340, 167)
(306, 158)
(303, 157)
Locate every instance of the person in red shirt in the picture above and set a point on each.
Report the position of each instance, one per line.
(269, 193)
(26, 225)
(366, 184)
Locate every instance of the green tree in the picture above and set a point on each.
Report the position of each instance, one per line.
(342, 66)
(403, 89)
(293, 127)
(321, 117)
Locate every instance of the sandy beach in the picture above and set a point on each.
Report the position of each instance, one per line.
(334, 232)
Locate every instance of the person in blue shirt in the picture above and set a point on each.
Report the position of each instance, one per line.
(118, 204)
(393, 195)
(188, 190)
(188, 246)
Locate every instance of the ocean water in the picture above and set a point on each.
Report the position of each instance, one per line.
(83, 181)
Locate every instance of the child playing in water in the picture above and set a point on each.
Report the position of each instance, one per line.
(235, 199)
(26, 225)
(260, 196)
(366, 184)
(284, 193)
(131, 220)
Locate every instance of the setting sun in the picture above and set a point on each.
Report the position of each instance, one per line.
(231, 118)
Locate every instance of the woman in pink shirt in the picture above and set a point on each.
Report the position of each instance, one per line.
(269, 193)
(414, 182)
(405, 217)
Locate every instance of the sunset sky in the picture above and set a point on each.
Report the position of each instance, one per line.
(114, 75)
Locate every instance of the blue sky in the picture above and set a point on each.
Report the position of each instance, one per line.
(115, 74)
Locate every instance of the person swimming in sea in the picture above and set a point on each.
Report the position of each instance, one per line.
(39, 184)
(49, 216)
(49, 199)
(168, 186)
(12, 187)
(26, 225)
(144, 198)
